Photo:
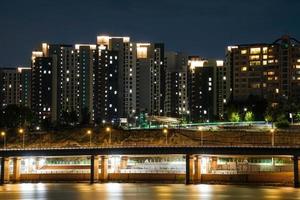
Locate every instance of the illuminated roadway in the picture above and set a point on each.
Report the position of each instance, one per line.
(153, 150)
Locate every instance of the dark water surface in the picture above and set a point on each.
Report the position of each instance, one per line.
(118, 191)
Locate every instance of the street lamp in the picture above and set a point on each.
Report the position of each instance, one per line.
(272, 130)
(165, 131)
(3, 134)
(89, 132)
(291, 117)
(21, 131)
(108, 130)
(201, 132)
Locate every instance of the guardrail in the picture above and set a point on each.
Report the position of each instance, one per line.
(156, 146)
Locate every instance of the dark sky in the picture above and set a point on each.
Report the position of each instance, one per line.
(202, 27)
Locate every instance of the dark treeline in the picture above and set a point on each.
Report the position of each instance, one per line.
(281, 113)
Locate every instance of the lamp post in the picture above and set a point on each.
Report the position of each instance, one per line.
(21, 131)
(89, 132)
(108, 130)
(201, 134)
(272, 130)
(165, 131)
(291, 117)
(3, 134)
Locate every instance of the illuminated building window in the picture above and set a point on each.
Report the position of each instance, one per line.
(265, 56)
(255, 63)
(271, 73)
(270, 61)
(255, 85)
(254, 57)
(265, 49)
(265, 62)
(244, 51)
(255, 50)
(277, 90)
(297, 66)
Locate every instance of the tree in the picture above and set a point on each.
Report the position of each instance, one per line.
(73, 117)
(249, 116)
(46, 124)
(268, 118)
(69, 118)
(13, 116)
(234, 117)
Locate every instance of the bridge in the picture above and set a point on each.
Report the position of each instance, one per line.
(192, 153)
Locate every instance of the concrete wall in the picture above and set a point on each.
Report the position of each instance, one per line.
(54, 177)
(125, 177)
(268, 177)
(283, 178)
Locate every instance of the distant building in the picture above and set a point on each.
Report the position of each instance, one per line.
(264, 70)
(118, 80)
(15, 86)
(150, 81)
(122, 69)
(207, 89)
(62, 78)
(106, 86)
(42, 99)
(176, 93)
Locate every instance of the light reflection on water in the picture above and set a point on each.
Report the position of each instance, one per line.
(116, 191)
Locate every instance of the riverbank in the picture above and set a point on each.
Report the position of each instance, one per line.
(100, 137)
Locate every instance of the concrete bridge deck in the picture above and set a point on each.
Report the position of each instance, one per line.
(148, 150)
(192, 154)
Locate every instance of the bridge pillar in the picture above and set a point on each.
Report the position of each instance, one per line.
(17, 169)
(124, 161)
(94, 169)
(104, 167)
(197, 176)
(4, 170)
(214, 164)
(296, 171)
(37, 163)
(189, 171)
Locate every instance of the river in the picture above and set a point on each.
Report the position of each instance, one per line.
(124, 191)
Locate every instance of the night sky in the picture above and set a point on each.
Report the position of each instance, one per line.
(201, 27)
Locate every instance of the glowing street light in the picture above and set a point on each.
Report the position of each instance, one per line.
(165, 131)
(89, 132)
(272, 130)
(3, 134)
(108, 130)
(21, 131)
(201, 132)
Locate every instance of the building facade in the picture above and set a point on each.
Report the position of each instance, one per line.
(176, 93)
(207, 89)
(264, 70)
(150, 80)
(15, 86)
(62, 81)
(123, 69)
